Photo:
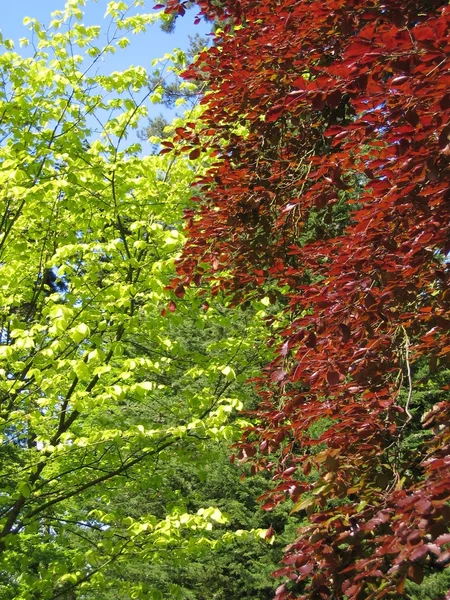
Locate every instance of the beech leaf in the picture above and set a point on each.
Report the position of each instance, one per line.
(194, 153)
(333, 377)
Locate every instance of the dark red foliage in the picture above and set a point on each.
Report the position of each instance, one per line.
(344, 102)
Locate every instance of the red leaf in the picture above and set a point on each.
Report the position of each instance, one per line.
(280, 590)
(399, 80)
(419, 553)
(353, 591)
(333, 377)
(278, 375)
(172, 306)
(357, 49)
(319, 579)
(412, 117)
(333, 100)
(248, 450)
(424, 506)
(307, 468)
(370, 301)
(194, 153)
(345, 332)
(445, 102)
(306, 569)
(288, 472)
(274, 112)
(444, 558)
(415, 573)
(179, 291)
(424, 33)
(321, 200)
(443, 539)
(311, 340)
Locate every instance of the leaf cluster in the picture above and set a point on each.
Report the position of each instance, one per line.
(329, 192)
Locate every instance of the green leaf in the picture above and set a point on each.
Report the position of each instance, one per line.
(80, 332)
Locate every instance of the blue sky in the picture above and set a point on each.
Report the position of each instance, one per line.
(144, 47)
(141, 51)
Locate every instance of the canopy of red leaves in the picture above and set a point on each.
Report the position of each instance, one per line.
(316, 108)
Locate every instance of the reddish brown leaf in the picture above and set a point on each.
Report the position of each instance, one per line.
(179, 291)
(443, 539)
(288, 472)
(415, 573)
(333, 377)
(194, 153)
(445, 102)
(278, 375)
(419, 553)
(444, 558)
(274, 112)
(345, 332)
(424, 506)
(412, 117)
(311, 340)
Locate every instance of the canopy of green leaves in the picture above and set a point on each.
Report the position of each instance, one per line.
(106, 378)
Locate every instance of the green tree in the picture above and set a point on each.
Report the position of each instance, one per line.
(93, 401)
(235, 565)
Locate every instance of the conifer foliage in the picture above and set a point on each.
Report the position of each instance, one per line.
(330, 192)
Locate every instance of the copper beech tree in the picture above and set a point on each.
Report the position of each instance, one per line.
(330, 195)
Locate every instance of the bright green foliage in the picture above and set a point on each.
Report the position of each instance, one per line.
(239, 566)
(232, 562)
(98, 390)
